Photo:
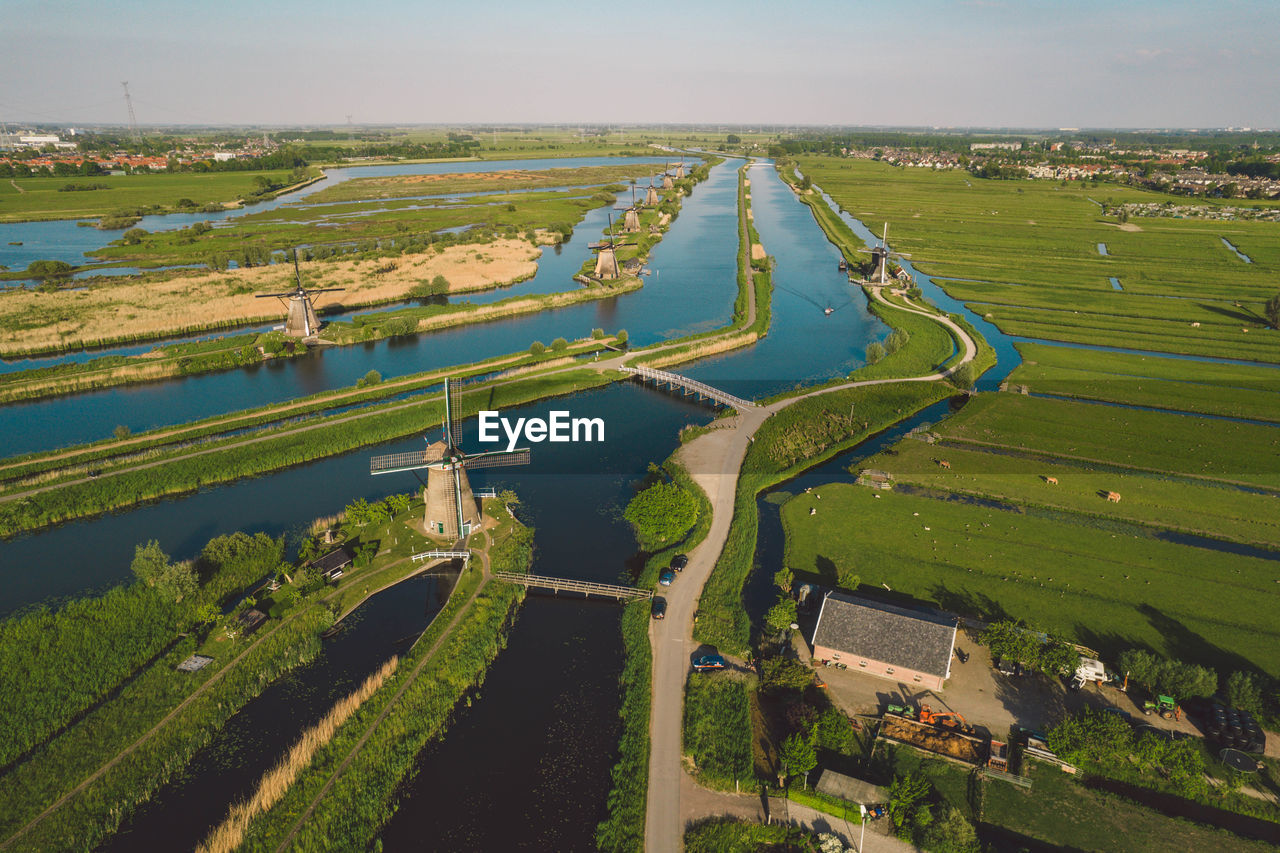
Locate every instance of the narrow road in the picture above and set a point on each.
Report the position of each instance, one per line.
(714, 461)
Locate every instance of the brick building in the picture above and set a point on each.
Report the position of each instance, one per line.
(898, 643)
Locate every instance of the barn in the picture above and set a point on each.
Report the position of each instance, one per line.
(904, 645)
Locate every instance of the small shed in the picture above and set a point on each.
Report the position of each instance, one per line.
(249, 621)
(332, 564)
(901, 644)
(850, 788)
(195, 663)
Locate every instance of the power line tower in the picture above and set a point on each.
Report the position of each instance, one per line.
(133, 119)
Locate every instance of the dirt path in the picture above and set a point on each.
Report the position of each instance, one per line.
(14, 184)
(714, 461)
(412, 677)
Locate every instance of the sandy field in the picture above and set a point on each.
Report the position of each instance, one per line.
(757, 252)
(190, 301)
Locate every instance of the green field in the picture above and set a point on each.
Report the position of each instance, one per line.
(1151, 441)
(1085, 580)
(1158, 501)
(24, 199)
(1034, 247)
(1233, 390)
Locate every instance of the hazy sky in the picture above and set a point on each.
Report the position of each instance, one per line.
(1130, 63)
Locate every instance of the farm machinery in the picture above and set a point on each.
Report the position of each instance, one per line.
(1165, 706)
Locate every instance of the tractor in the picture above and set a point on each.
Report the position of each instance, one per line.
(901, 710)
(1165, 706)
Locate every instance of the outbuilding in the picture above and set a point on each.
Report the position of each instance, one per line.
(902, 644)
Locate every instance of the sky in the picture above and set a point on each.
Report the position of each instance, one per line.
(965, 63)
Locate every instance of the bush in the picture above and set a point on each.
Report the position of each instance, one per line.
(661, 514)
(537, 348)
(875, 352)
(965, 375)
(371, 378)
(559, 345)
(1174, 678)
(49, 269)
(133, 236)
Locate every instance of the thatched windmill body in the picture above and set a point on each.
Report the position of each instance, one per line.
(631, 215)
(301, 321)
(880, 256)
(607, 267)
(668, 182)
(651, 197)
(451, 508)
(680, 169)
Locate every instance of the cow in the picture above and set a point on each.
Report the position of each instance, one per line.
(1113, 497)
(944, 464)
(1052, 481)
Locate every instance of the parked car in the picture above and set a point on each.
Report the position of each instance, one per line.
(1008, 667)
(679, 561)
(709, 662)
(658, 610)
(666, 577)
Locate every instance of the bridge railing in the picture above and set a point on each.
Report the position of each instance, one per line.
(570, 585)
(690, 384)
(441, 555)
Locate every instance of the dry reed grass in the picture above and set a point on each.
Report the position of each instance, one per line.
(227, 836)
(175, 303)
(713, 347)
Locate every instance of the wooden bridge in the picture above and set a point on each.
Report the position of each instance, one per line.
(689, 386)
(587, 588)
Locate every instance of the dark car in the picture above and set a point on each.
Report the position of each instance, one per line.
(666, 577)
(659, 608)
(1008, 667)
(709, 662)
(679, 561)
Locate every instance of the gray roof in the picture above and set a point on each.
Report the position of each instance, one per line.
(898, 636)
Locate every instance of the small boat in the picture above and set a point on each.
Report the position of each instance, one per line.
(844, 265)
(828, 310)
(15, 243)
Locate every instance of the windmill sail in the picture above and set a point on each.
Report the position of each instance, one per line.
(498, 459)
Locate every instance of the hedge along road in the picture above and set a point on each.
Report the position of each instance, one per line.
(714, 460)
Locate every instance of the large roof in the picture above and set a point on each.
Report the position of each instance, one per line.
(899, 636)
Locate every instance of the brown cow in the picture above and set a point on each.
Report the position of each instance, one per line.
(1113, 497)
(1052, 481)
(945, 464)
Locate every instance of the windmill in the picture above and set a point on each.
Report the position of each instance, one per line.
(607, 268)
(451, 509)
(680, 169)
(651, 197)
(880, 256)
(631, 220)
(667, 182)
(301, 321)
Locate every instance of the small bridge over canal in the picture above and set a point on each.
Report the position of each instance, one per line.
(587, 588)
(690, 387)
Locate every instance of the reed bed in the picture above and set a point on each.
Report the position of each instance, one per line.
(228, 835)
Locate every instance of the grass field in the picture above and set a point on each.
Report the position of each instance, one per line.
(44, 198)
(1034, 245)
(1240, 391)
(1155, 500)
(1106, 589)
(1152, 441)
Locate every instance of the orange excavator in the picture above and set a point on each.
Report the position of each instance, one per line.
(945, 719)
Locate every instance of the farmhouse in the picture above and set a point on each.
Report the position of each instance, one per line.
(332, 564)
(897, 643)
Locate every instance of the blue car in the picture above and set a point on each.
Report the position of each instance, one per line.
(708, 662)
(666, 577)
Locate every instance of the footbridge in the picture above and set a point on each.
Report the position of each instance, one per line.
(689, 386)
(587, 588)
(425, 556)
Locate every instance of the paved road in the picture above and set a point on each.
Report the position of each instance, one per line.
(714, 460)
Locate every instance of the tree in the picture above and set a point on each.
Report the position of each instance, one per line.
(907, 794)
(1272, 310)
(149, 562)
(965, 375)
(177, 581)
(559, 345)
(848, 578)
(1092, 736)
(948, 831)
(133, 236)
(49, 269)
(783, 579)
(121, 431)
(373, 377)
(875, 352)
(661, 514)
(784, 674)
(733, 139)
(537, 348)
(797, 755)
(781, 615)
(833, 731)
(1244, 690)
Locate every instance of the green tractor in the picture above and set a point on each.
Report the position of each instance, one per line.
(1165, 706)
(907, 711)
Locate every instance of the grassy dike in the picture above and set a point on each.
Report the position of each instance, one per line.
(350, 789)
(21, 472)
(326, 436)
